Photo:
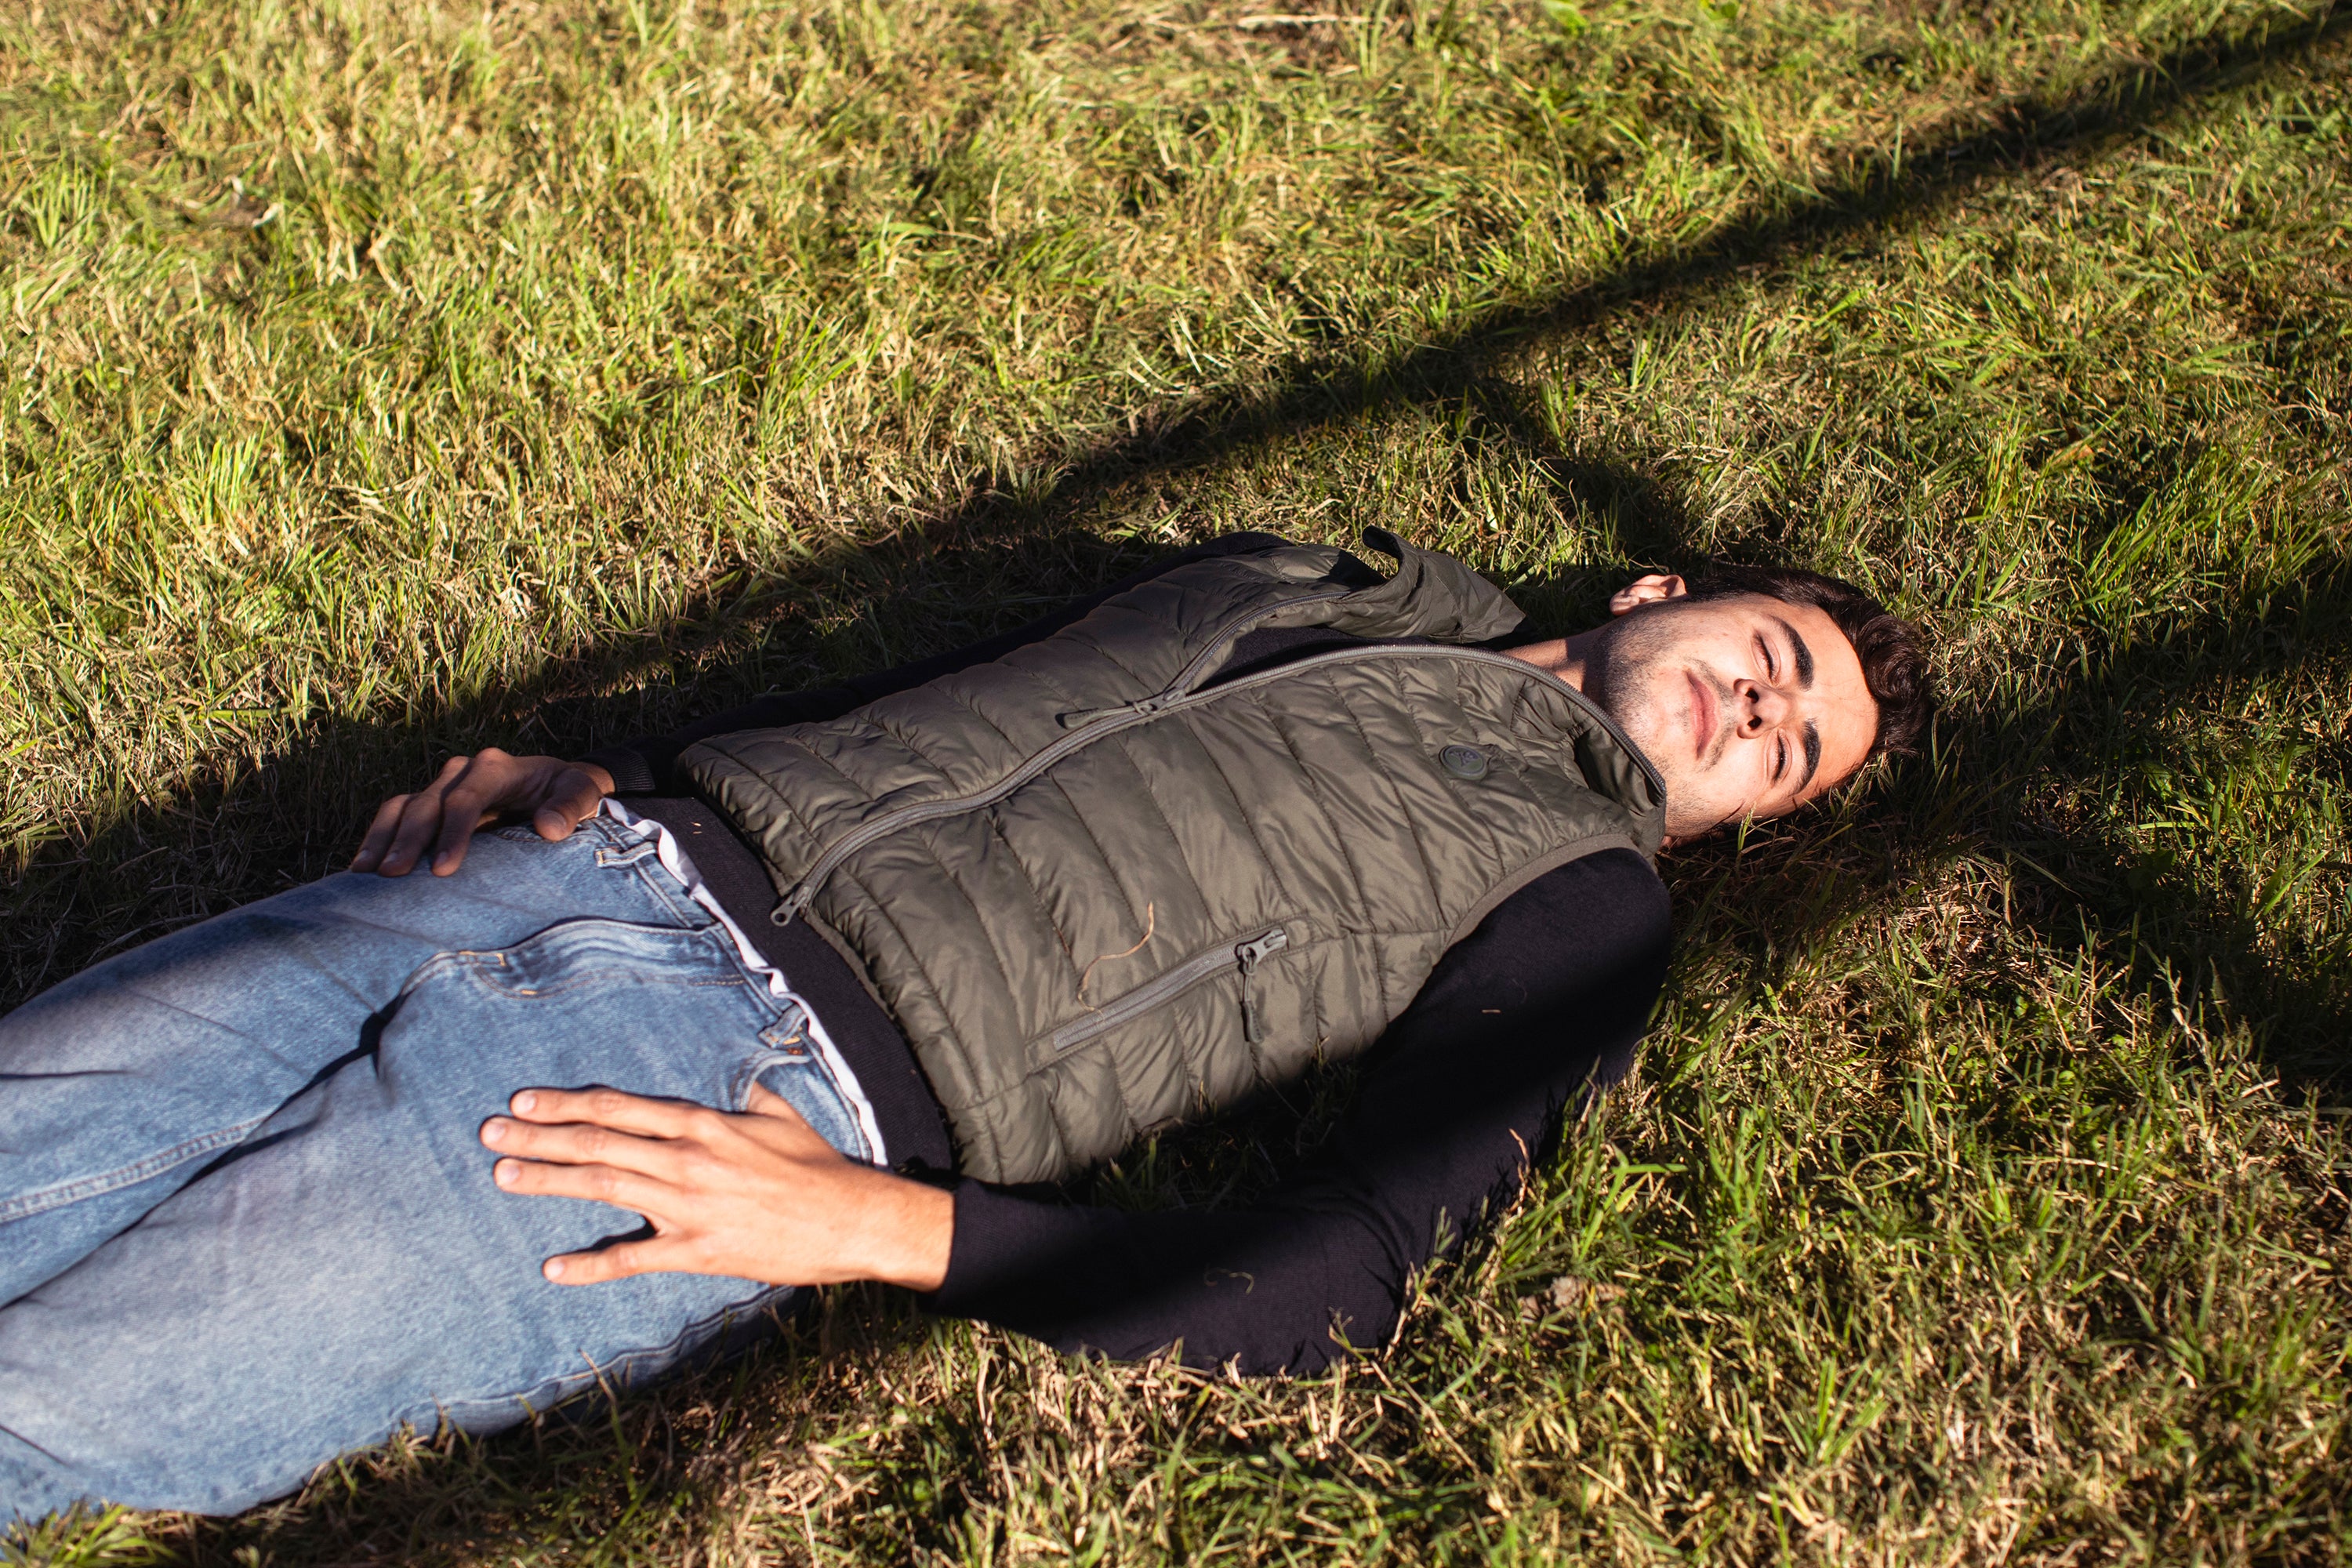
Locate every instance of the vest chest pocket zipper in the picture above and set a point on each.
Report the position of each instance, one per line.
(1244, 956)
(1251, 954)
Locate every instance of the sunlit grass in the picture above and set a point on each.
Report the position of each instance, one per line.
(386, 379)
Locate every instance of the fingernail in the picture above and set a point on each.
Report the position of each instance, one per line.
(553, 1268)
(494, 1131)
(525, 1103)
(505, 1171)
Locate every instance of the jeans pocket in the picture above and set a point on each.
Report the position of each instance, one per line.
(791, 1064)
(593, 952)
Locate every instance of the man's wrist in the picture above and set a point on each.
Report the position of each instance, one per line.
(909, 1230)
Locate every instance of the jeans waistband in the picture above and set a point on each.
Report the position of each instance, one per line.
(677, 863)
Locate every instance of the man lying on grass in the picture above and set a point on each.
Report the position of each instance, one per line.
(284, 1181)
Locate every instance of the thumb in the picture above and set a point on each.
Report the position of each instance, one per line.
(570, 801)
(765, 1101)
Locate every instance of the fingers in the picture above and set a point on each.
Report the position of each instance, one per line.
(472, 799)
(619, 1262)
(420, 817)
(574, 1143)
(379, 834)
(611, 1107)
(597, 1184)
(439, 821)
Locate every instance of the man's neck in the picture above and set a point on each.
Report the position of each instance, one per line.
(1562, 657)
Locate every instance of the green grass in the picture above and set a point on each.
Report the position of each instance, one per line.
(382, 380)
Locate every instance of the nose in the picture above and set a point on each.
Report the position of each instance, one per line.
(1761, 708)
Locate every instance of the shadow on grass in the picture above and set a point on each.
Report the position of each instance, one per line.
(2179, 932)
(295, 814)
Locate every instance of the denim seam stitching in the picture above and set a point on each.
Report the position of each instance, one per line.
(82, 1187)
(652, 884)
(624, 850)
(491, 983)
(689, 915)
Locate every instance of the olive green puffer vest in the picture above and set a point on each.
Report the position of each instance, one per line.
(1100, 891)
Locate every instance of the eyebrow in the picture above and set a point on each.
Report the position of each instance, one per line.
(1804, 656)
(1804, 663)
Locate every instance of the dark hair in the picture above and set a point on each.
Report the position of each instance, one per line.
(1893, 654)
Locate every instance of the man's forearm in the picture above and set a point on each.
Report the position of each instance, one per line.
(756, 1195)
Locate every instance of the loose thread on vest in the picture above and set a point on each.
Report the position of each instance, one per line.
(1150, 920)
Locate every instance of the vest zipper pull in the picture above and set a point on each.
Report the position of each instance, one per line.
(1079, 719)
(1250, 953)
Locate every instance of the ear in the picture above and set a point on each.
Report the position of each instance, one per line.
(1654, 589)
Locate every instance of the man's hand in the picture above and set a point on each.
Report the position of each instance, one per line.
(757, 1196)
(474, 792)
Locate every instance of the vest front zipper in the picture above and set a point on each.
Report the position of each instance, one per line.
(1246, 955)
(1084, 727)
(1170, 700)
(1201, 665)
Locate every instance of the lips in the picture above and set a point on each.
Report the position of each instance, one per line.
(1703, 717)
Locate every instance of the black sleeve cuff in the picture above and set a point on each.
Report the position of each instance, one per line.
(1004, 1244)
(632, 773)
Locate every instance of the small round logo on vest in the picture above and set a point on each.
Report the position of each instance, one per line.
(1463, 762)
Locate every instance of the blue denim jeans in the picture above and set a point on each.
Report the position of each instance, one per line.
(246, 1222)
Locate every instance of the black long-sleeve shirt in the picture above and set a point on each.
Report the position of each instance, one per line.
(1543, 1002)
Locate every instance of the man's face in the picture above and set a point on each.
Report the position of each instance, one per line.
(1747, 706)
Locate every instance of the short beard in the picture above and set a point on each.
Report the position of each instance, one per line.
(1629, 662)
